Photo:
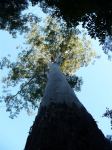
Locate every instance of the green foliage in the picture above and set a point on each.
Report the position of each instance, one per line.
(96, 16)
(108, 114)
(56, 38)
(29, 73)
(11, 17)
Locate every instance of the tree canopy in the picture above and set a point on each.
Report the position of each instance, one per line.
(46, 42)
(11, 17)
(95, 15)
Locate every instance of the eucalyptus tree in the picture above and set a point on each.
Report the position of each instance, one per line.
(62, 121)
(46, 42)
(96, 16)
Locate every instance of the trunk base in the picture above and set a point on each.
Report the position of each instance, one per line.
(61, 127)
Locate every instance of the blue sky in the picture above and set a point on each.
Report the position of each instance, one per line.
(96, 95)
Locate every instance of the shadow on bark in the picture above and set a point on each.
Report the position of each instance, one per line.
(63, 127)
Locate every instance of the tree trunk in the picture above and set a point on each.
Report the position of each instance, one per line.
(62, 122)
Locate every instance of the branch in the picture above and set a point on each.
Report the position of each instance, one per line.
(23, 87)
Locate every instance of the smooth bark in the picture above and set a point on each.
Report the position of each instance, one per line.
(62, 122)
(57, 89)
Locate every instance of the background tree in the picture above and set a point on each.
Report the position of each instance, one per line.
(108, 114)
(46, 42)
(11, 17)
(96, 16)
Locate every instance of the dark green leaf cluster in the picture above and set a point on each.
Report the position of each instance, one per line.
(95, 15)
(107, 47)
(108, 114)
(74, 81)
(11, 17)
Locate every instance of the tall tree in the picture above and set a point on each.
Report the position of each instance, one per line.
(46, 42)
(95, 15)
(62, 121)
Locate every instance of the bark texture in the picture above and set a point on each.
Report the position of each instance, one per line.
(62, 122)
(63, 127)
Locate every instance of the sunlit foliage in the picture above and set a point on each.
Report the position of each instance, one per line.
(55, 38)
(46, 42)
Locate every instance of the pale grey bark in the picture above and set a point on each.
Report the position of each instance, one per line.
(57, 89)
(77, 130)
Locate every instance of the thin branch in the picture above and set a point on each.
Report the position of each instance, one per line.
(23, 87)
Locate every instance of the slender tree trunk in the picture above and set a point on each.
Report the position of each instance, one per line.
(62, 122)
